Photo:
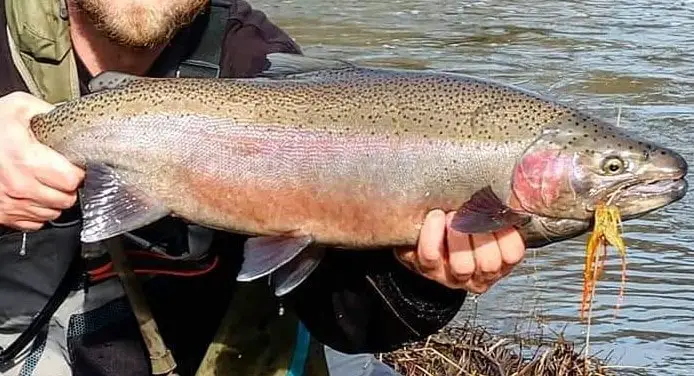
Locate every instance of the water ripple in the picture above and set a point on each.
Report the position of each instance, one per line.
(599, 55)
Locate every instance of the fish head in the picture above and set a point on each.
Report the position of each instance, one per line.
(582, 162)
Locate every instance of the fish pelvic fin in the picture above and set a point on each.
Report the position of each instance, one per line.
(262, 255)
(484, 212)
(111, 80)
(285, 64)
(296, 271)
(111, 206)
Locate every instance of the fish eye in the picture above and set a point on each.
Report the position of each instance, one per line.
(613, 165)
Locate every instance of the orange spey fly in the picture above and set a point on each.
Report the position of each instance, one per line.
(607, 229)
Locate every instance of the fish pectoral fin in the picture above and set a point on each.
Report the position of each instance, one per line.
(285, 64)
(484, 212)
(110, 206)
(263, 255)
(110, 80)
(295, 272)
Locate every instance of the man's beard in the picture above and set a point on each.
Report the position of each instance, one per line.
(140, 23)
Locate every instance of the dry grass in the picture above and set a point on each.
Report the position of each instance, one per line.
(468, 350)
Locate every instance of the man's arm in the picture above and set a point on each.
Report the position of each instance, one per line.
(370, 301)
(367, 301)
(364, 301)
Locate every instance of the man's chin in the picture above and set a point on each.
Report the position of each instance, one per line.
(139, 28)
(139, 41)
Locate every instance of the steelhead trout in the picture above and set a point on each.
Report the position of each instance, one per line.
(323, 153)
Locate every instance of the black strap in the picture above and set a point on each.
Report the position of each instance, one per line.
(203, 61)
(69, 281)
(196, 50)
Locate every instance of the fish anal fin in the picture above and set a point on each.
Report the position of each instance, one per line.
(263, 255)
(296, 271)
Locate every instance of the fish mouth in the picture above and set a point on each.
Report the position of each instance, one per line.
(641, 198)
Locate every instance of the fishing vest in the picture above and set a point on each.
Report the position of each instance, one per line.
(39, 39)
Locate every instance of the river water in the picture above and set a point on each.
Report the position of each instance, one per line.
(599, 55)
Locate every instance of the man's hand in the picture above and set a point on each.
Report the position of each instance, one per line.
(462, 261)
(36, 182)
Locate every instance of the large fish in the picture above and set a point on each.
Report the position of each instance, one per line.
(325, 153)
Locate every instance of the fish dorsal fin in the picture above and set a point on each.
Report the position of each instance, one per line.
(285, 64)
(110, 80)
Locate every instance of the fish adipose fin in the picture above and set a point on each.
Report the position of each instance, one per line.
(484, 213)
(296, 271)
(111, 207)
(263, 255)
(284, 64)
(110, 80)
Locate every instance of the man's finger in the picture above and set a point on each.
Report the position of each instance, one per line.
(407, 256)
(54, 170)
(27, 225)
(477, 287)
(430, 248)
(511, 245)
(487, 254)
(460, 253)
(42, 214)
(28, 105)
(26, 210)
(52, 198)
(506, 269)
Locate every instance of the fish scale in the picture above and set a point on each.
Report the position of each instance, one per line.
(348, 157)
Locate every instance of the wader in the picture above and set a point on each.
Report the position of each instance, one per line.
(258, 338)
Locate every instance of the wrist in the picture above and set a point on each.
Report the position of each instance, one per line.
(420, 303)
